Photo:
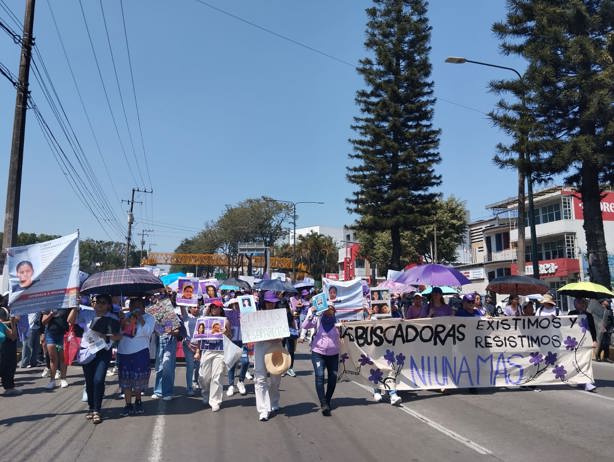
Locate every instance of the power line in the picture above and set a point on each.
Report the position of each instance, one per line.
(12, 15)
(119, 90)
(87, 116)
(106, 93)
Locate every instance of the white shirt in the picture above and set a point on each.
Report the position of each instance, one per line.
(509, 311)
(140, 341)
(547, 310)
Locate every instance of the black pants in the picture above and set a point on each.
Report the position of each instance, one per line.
(290, 344)
(604, 346)
(95, 373)
(8, 363)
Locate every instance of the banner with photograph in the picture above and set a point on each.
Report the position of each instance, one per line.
(320, 302)
(451, 352)
(380, 299)
(264, 325)
(187, 291)
(209, 328)
(247, 303)
(347, 298)
(209, 289)
(44, 276)
(163, 312)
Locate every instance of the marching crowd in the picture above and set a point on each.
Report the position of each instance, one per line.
(47, 337)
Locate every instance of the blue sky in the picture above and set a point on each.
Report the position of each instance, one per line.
(230, 112)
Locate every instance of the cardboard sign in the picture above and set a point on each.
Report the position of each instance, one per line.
(264, 325)
(163, 312)
(247, 303)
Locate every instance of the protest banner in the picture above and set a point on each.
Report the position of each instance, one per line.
(247, 303)
(450, 352)
(264, 325)
(320, 302)
(187, 291)
(209, 328)
(44, 276)
(163, 312)
(347, 298)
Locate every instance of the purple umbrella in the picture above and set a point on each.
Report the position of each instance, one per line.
(432, 274)
(397, 287)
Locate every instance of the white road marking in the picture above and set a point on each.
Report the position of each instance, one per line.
(440, 428)
(155, 452)
(596, 395)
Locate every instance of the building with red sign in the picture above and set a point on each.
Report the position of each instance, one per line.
(561, 242)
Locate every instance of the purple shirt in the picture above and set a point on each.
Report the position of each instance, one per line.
(324, 343)
(443, 310)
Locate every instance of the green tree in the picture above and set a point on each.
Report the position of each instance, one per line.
(318, 252)
(97, 255)
(568, 87)
(32, 238)
(396, 148)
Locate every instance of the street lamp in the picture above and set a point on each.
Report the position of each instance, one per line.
(524, 164)
(294, 204)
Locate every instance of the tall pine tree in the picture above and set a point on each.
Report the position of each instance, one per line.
(396, 148)
(569, 46)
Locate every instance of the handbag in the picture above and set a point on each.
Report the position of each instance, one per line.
(232, 353)
(72, 344)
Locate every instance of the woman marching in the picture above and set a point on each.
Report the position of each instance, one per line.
(324, 353)
(210, 353)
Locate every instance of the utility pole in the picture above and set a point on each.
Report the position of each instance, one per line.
(13, 190)
(131, 219)
(144, 232)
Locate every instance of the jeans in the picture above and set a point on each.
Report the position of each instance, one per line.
(165, 365)
(290, 344)
(244, 361)
(31, 348)
(95, 373)
(331, 363)
(191, 366)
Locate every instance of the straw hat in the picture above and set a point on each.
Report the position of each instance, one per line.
(277, 360)
(547, 299)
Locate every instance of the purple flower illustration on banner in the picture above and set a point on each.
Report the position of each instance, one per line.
(570, 343)
(559, 372)
(584, 325)
(550, 359)
(376, 376)
(401, 359)
(364, 360)
(389, 356)
(536, 358)
(344, 357)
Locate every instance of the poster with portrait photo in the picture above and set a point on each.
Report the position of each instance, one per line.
(187, 291)
(247, 303)
(43, 276)
(209, 328)
(380, 297)
(209, 289)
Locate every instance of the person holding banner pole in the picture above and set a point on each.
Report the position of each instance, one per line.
(581, 307)
(324, 353)
(266, 390)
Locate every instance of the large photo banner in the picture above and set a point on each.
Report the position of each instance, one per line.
(44, 276)
(450, 352)
(346, 296)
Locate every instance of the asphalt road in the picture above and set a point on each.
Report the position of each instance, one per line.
(557, 424)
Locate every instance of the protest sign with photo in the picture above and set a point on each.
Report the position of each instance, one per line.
(247, 303)
(44, 276)
(380, 298)
(320, 302)
(187, 291)
(451, 352)
(163, 312)
(347, 298)
(209, 289)
(209, 328)
(264, 325)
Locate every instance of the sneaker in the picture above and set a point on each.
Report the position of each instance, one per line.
(241, 388)
(291, 372)
(377, 397)
(57, 375)
(395, 399)
(12, 392)
(50, 385)
(249, 376)
(154, 396)
(215, 408)
(190, 393)
(84, 396)
(138, 408)
(325, 410)
(63, 383)
(205, 401)
(45, 373)
(127, 410)
(590, 387)
(230, 391)
(264, 417)
(167, 398)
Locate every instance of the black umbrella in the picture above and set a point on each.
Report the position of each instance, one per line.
(276, 285)
(237, 283)
(517, 285)
(122, 282)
